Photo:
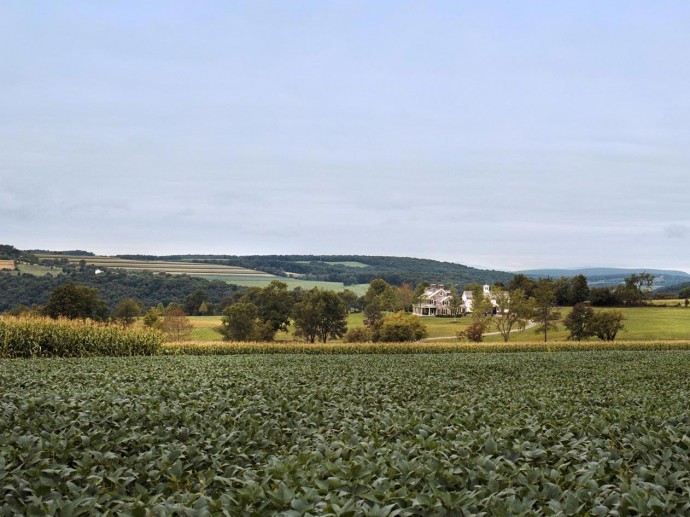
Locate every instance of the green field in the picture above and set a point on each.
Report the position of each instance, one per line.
(642, 324)
(230, 274)
(568, 433)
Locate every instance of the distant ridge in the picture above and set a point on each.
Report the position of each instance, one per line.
(599, 271)
(610, 276)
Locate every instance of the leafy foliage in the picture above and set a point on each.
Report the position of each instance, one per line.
(320, 315)
(493, 434)
(113, 286)
(399, 327)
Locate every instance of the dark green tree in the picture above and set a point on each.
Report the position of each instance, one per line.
(523, 282)
(126, 312)
(607, 324)
(319, 315)
(274, 303)
(561, 290)
(579, 289)
(240, 322)
(579, 322)
(545, 313)
(351, 300)
(76, 302)
(193, 301)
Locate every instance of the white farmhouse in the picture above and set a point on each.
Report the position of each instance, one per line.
(434, 302)
(467, 298)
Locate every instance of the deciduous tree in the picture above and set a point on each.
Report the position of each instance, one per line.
(513, 310)
(400, 327)
(579, 322)
(240, 322)
(176, 324)
(545, 313)
(76, 302)
(319, 315)
(126, 312)
(607, 324)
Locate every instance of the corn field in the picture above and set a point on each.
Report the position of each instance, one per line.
(44, 337)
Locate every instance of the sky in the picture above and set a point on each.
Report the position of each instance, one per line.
(506, 135)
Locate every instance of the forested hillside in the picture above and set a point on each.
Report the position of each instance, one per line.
(351, 269)
(113, 286)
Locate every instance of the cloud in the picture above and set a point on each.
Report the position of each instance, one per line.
(676, 231)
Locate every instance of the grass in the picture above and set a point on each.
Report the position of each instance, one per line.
(36, 270)
(7, 264)
(642, 324)
(673, 302)
(349, 264)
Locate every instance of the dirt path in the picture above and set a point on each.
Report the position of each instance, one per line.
(529, 325)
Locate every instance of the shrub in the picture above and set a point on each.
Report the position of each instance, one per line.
(474, 332)
(400, 327)
(358, 335)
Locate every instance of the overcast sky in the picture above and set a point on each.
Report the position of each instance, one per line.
(499, 134)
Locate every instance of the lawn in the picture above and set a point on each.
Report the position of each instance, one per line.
(641, 324)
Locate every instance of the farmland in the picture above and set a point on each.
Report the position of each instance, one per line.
(569, 433)
(7, 264)
(230, 274)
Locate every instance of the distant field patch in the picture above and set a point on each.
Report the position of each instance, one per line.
(7, 264)
(218, 271)
(36, 270)
(349, 264)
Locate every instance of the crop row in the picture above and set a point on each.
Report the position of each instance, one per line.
(495, 434)
(437, 347)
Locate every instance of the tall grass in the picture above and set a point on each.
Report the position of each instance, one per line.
(44, 337)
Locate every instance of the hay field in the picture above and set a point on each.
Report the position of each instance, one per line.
(7, 264)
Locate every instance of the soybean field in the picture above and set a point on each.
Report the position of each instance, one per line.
(598, 432)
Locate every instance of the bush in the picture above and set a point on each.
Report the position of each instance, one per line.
(30, 337)
(474, 332)
(400, 327)
(358, 335)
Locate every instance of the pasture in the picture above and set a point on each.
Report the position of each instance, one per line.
(7, 264)
(597, 433)
(641, 324)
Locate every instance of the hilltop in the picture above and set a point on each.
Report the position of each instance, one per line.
(348, 269)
